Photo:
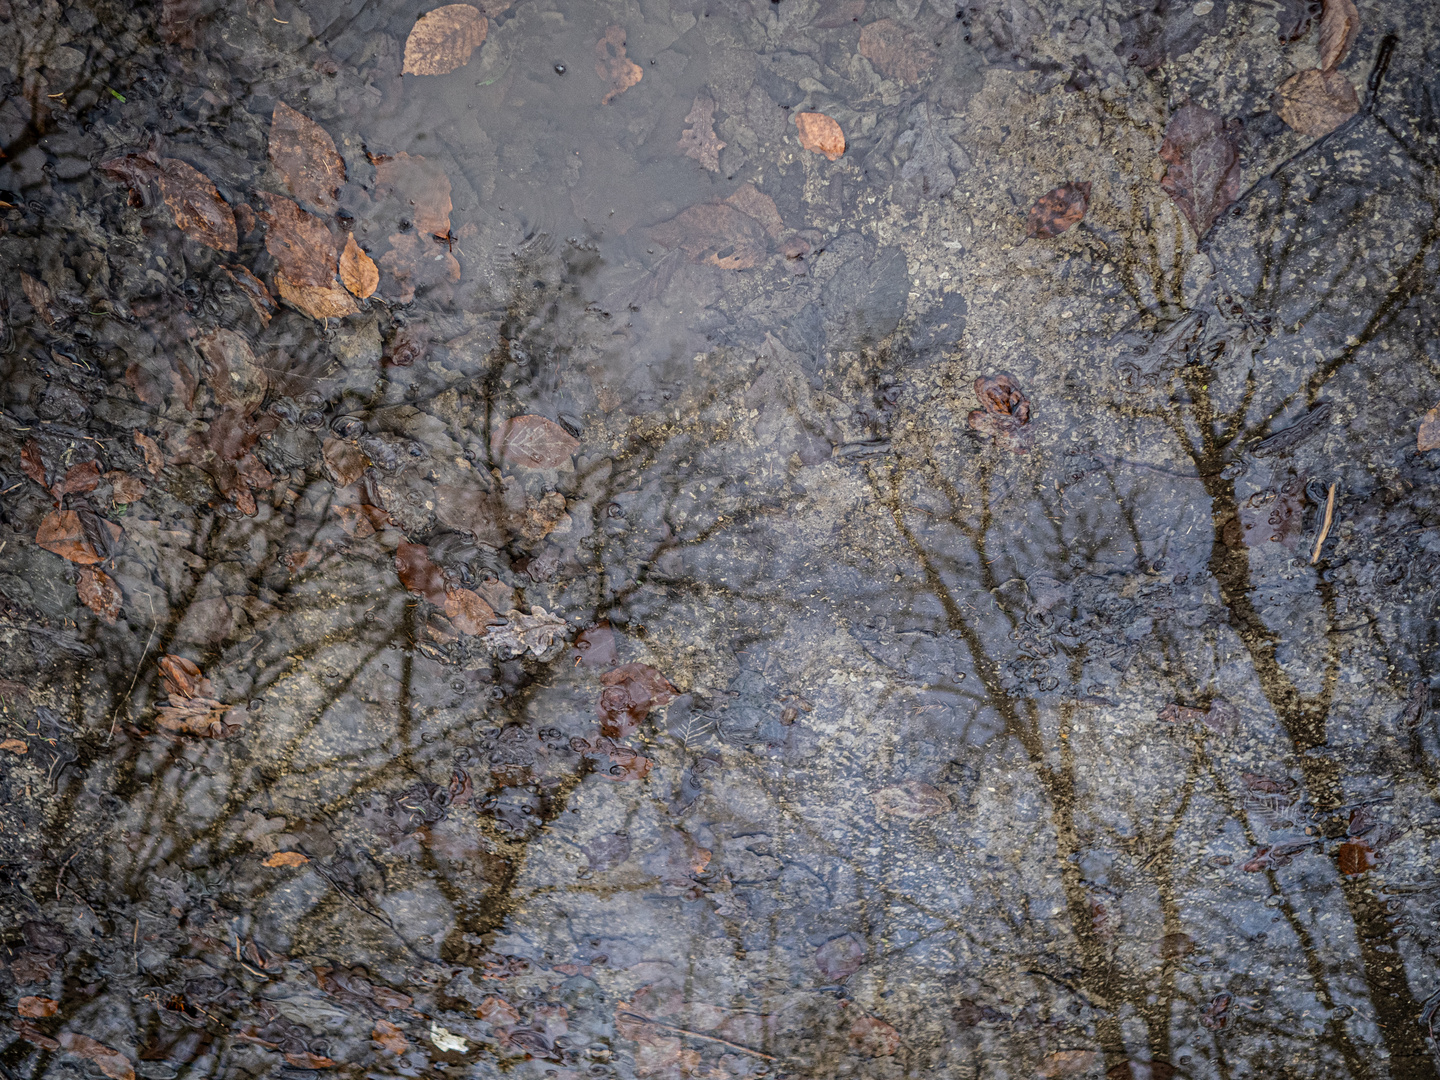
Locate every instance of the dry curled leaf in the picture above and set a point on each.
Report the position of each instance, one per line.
(1202, 160)
(468, 611)
(820, 134)
(64, 533)
(182, 677)
(304, 248)
(99, 593)
(358, 271)
(1428, 437)
(305, 156)
(154, 459)
(533, 442)
(910, 800)
(390, 1037)
(1339, 26)
(1004, 413)
(872, 1037)
(37, 1007)
(1316, 102)
(612, 65)
(111, 1062)
(1057, 210)
(896, 51)
(442, 40)
(699, 140)
(15, 746)
(285, 858)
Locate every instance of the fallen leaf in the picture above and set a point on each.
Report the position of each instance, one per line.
(419, 190)
(497, 1012)
(442, 40)
(182, 678)
(910, 800)
(717, 234)
(1316, 102)
(390, 1037)
(63, 532)
(31, 1034)
(699, 141)
(304, 154)
(538, 633)
(1069, 1062)
(99, 593)
(358, 271)
(1175, 945)
(37, 1006)
(234, 375)
(1202, 174)
(199, 211)
(540, 518)
(533, 442)
(870, 1036)
(1004, 413)
(1356, 857)
(15, 746)
(753, 202)
(445, 1040)
(896, 51)
(1339, 26)
(611, 64)
(111, 1062)
(79, 479)
(285, 858)
(154, 459)
(468, 611)
(1057, 210)
(1429, 434)
(345, 461)
(820, 134)
(419, 574)
(195, 716)
(304, 248)
(253, 289)
(124, 488)
(631, 692)
(39, 296)
(303, 1059)
(31, 462)
(840, 957)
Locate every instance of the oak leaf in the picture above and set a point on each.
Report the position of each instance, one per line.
(910, 800)
(699, 140)
(533, 442)
(358, 271)
(1316, 102)
(182, 677)
(442, 40)
(820, 134)
(285, 858)
(540, 633)
(305, 156)
(99, 593)
(1202, 174)
(1339, 26)
(1057, 210)
(614, 66)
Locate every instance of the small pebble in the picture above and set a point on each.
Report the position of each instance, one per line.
(559, 69)
(1204, 7)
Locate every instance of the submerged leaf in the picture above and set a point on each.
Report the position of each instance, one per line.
(390, 1037)
(872, 1037)
(199, 211)
(99, 593)
(442, 40)
(1339, 26)
(533, 442)
(717, 234)
(699, 141)
(111, 1062)
(358, 271)
(820, 134)
(285, 858)
(303, 246)
(305, 156)
(1428, 437)
(896, 51)
(911, 800)
(1057, 210)
(611, 64)
(64, 533)
(1316, 102)
(468, 611)
(1202, 172)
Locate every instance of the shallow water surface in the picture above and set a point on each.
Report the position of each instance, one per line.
(609, 539)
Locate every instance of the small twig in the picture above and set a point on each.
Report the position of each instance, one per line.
(698, 1035)
(1325, 528)
(61, 876)
(115, 717)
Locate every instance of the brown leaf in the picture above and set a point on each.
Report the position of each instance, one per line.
(1339, 26)
(124, 488)
(715, 233)
(897, 52)
(199, 211)
(39, 296)
(1316, 102)
(99, 593)
(390, 1037)
(1069, 1063)
(469, 613)
(533, 442)
(111, 1062)
(442, 40)
(345, 461)
(182, 678)
(910, 800)
(497, 1012)
(699, 141)
(750, 200)
(79, 479)
(419, 574)
(37, 1006)
(303, 246)
(63, 532)
(420, 191)
(195, 716)
(1428, 437)
(872, 1037)
(358, 271)
(840, 957)
(15, 746)
(1154, 1069)
(611, 64)
(31, 1034)
(1203, 165)
(285, 858)
(154, 459)
(303, 1059)
(1356, 857)
(234, 375)
(1004, 414)
(304, 154)
(1057, 210)
(32, 464)
(252, 288)
(820, 134)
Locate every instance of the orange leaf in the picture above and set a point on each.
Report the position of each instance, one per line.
(304, 154)
(390, 1037)
(1356, 857)
(533, 442)
(15, 746)
(285, 858)
(612, 64)
(154, 459)
(820, 134)
(98, 592)
(62, 533)
(442, 40)
(37, 1006)
(358, 271)
(111, 1062)
(468, 611)
(1429, 434)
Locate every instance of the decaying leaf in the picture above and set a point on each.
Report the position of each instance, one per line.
(99, 593)
(15, 746)
(420, 190)
(820, 134)
(32, 464)
(358, 271)
(253, 289)
(1339, 26)
(303, 246)
(230, 368)
(896, 51)
(64, 533)
(285, 858)
(40, 298)
(195, 716)
(631, 692)
(699, 140)
(111, 1062)
(539, 633)
(1316, 102)
(910, 800)
(304, 1059)
(870, 1036)
(613, 66)
(1428, 437)
(1062, 1063)
(345, 461)
(1004, 414)
(79, 479)
(305, 156)
(124, 488)
(1356, 857)
(154, 459)
(419, 574)
(840, 957)
(1202, 160)
(750, 200)
(533, 442)
(390, 1037)
(468, 611)
(182, 677)
(1057, 210)
(37, 1007)
(442, 40)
